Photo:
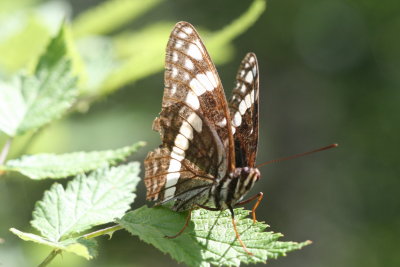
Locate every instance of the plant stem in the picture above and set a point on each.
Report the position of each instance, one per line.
(105, 231)
(49, 258)
(5, 150)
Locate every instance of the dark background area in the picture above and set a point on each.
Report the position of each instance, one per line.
(329, 73)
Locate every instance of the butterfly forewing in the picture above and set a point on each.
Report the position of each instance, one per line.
(244, 112)
(194, 123)
(192, 79)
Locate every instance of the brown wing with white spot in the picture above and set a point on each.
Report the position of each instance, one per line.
(194, 123)
(191, 80)
(244, 112)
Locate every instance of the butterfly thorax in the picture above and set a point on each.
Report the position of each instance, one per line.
(233, 187)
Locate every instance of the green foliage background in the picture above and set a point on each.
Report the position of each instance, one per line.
(329, 73)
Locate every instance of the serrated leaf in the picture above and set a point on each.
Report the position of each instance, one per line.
(152, 225)
(81, 247)
(209, 238)
(87, 201)
(214, 231)
(41, 166)
(32, 101)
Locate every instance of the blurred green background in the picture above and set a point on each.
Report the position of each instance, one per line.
(330, 72)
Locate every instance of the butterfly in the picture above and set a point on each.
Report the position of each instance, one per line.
(209, 145)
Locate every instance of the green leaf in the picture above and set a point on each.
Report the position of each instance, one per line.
(110, 15)
(152, 225)
(29, 102)
(152, 39)
(81, 247)
(87, 201)
(209, 238)
(214, 231)
(41, 166)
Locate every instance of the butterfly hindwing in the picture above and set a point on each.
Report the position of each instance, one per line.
(244, 111)
(170, 177)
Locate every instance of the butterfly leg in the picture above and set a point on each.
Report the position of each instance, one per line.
(237, 233)
(183, 228)
(259, 197)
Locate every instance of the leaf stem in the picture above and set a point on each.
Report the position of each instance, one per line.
(105, 231)
(5, 150)
(50, 257)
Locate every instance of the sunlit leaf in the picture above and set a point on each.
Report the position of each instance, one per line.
(81, 247)
(214, 231)
(87, 201)
(32, 101)
(209, 239)
(41, 166)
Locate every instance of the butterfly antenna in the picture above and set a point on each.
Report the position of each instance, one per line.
(298, 155)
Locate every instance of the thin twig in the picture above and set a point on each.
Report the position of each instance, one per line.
(49, 258)
(5, 150)
(106, 231)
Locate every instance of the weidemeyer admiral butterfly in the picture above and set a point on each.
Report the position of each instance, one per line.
(209, 146)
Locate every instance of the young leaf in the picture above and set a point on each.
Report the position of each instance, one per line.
(87, 201)
(82, 247)
(32, 101)
(209, 238)
(41, 166)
